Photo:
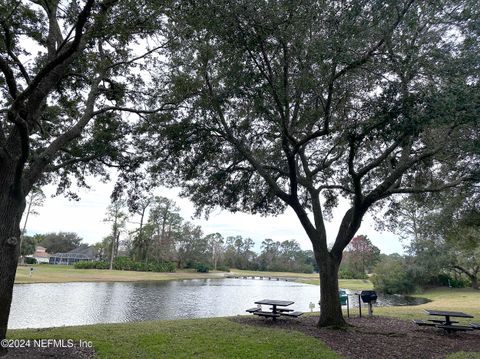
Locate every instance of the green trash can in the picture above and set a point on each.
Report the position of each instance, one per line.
(344, 300)
(343, 297)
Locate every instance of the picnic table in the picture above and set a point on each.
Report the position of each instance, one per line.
(446, 324)
(277, 309)
(447, 315)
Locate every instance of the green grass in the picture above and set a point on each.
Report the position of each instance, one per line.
(45, 273)
(353, 284)
(306, 276)
(197, 338)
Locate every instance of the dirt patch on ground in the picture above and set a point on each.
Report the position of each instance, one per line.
(50, 353)
(378, 337)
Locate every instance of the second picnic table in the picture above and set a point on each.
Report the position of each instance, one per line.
(447, 324)
(447, 315)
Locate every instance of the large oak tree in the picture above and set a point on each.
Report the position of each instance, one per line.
(68, 69)
(298, 103)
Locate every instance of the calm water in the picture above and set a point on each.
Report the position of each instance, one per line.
(58, 304)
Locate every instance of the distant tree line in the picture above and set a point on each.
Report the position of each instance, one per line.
(162, 235)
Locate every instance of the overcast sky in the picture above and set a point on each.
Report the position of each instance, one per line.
(85, 217)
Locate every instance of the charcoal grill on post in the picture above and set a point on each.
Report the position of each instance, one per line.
(369, 297)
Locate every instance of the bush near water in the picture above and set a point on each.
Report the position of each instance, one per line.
(125, 263)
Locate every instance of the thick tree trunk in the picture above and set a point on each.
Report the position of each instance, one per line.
(330, 309)
(11, 208)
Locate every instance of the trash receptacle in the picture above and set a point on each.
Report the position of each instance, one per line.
(343, 297)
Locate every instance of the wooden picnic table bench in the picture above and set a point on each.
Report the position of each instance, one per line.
(253, 310)
(266, 314)
(293, 314)
(454, 328)
(440, 321)
(283, 310)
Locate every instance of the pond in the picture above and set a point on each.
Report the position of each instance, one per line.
(58, 304)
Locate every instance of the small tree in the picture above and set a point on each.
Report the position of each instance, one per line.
(118, 218)
(392, 276)
(238, 252)
(138, 205)
(215, 243)
(28, 245)
(35, 199)
(165, 218)
(192, 246)
(361, 254)
(269, 256)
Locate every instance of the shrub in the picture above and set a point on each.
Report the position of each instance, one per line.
(446, 280)
(392, 277)
(307, 269)
(84, 265)
(349, 274)
(101, 265)
(201, 268)
(125, 263)
(30, 260)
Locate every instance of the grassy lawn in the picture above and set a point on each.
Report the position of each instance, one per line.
(353, 284)
(45, 273)
(198, 338)
(306, 276)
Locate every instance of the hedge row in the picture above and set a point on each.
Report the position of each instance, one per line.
(125, 263)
